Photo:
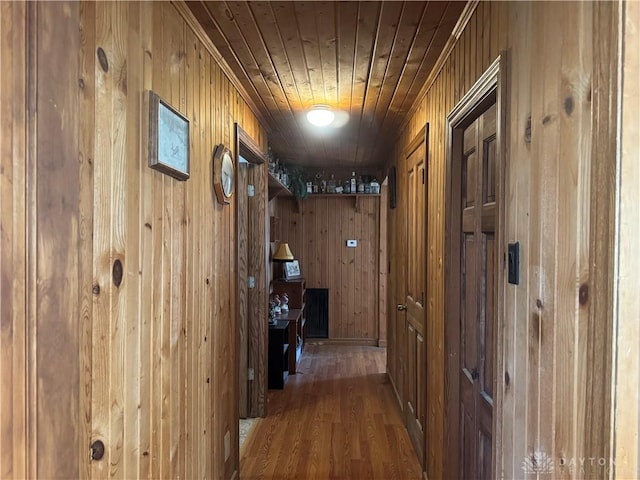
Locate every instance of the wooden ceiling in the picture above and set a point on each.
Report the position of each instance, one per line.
(368, 60)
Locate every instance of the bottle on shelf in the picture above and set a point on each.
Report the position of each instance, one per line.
(375, 186)
(331, 185)
(352, 186)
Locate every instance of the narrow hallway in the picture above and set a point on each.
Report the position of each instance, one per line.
(337, 418)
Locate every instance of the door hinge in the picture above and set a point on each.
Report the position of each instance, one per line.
(251, 282)
(250, 374)
(251, 191)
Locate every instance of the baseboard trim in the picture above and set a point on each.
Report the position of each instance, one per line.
(395, 391)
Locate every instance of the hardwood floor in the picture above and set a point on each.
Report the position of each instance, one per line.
(337, 418)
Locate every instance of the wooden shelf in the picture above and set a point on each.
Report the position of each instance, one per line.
(276, 187)
(356, 196)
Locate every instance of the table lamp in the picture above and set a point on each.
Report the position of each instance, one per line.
(282, 255)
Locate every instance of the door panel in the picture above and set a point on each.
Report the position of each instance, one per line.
(416, 380)
(467, 427)
(477, 289)
(489, 314)
(411, 370)
(468, 325)
(421, 379)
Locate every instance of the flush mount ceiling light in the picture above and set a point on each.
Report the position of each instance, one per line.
(320, 115)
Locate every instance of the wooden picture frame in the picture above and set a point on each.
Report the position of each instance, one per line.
(291, 270)
(168, 138)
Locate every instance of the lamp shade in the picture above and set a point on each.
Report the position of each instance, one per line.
(283, 254)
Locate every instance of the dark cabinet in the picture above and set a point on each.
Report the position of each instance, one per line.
(278, 353)
(295, 290)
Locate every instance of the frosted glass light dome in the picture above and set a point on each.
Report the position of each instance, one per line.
(320, 116)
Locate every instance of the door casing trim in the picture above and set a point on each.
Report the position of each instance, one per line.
(491, 87)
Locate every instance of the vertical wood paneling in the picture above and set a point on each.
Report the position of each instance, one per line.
(542, 332)
(519, 397)
(607, 30)
(383, 253)
(146, 365)
(15, 337)
(547, 211)
(146, 311)
(627, 455)
(195, 206)
(100, 361)
(56, 238)
(85, 151)
(129, 49)
(317, 235)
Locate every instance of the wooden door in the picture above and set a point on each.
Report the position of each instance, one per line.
(477, 289)
(416, 268)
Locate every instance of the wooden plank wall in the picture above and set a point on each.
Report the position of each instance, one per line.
(383, 268)
(146, 365)
(317, 229)
(627, 454)
(44, 244)
(16, 270)
(542, 390)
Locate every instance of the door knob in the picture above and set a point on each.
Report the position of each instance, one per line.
(401, 308)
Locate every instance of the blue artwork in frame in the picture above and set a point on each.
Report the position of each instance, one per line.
(168, 139)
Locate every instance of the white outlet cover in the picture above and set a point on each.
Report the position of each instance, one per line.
(352, 243)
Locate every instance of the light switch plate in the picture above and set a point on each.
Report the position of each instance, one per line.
(513, 259)
(352, 243)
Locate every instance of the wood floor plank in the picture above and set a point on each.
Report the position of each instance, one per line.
(337, 418)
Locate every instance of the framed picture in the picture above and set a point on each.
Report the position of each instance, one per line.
(291, 270)
(168, 139)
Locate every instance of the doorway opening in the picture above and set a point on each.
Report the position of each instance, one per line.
(252, 281)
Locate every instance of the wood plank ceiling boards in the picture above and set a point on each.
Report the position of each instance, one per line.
(368, 60)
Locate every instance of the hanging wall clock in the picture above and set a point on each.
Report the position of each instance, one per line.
(223, 174)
